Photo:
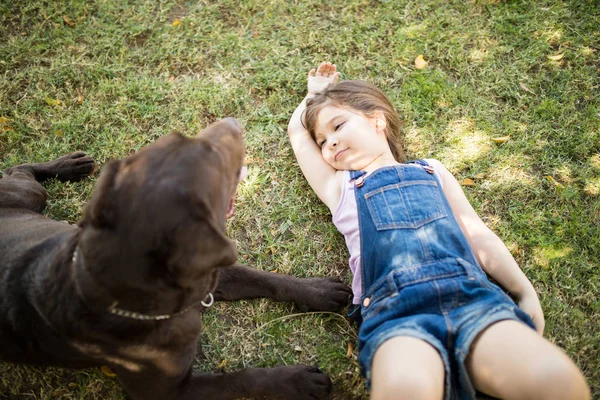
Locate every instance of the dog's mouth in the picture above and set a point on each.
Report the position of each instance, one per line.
(231, 208)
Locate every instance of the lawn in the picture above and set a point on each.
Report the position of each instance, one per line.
(109, 77)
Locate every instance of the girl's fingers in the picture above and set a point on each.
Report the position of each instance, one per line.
(321, 69)
(327, 70)
(336, 76)
(311, 73)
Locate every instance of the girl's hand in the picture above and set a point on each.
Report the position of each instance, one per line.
(322, 77)
(531, 305)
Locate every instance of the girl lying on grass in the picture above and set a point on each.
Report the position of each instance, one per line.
(433, 325)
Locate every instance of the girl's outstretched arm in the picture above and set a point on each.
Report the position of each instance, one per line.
(323, 178)
(491, 252)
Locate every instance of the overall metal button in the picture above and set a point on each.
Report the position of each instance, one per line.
(366, 302)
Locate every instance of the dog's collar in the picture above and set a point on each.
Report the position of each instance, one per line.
(113, 309)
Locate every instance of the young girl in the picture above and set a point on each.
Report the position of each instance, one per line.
(433, 325)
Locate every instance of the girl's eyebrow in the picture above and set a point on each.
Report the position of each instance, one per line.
(332, 120)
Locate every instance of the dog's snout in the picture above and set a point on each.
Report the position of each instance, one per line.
(228, 125)
(233, 124)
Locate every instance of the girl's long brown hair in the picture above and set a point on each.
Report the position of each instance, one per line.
(360, 96)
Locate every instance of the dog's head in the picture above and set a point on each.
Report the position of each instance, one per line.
(158, 216)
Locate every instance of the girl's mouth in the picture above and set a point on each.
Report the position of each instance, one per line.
(339, 154)
(231, 208)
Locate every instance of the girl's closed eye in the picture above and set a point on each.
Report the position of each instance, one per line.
(321, 142)
(339, 125)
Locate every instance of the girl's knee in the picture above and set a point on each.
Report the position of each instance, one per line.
(558, 379)
(407, 368)
(407, 385)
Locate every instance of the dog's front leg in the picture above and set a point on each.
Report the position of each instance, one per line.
(296, 382)
(320, 294)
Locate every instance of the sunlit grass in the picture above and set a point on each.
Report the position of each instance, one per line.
(125, 75)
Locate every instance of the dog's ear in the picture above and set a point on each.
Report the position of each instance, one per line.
(101, 209)
(199, 246)
(197, 251)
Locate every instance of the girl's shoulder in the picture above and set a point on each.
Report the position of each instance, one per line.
(437, 166)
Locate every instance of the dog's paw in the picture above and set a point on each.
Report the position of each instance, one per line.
(302, 382)
(71, 167)
(323, 294)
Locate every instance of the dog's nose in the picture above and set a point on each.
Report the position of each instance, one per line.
(233, 123)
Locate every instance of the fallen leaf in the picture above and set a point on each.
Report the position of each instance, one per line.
(223, 364)
(58, 132)
(106, 370)
(350, 350)
(255, 34)
(245, 256)
(329, 248)
(79, 97)
(555, 57)
(68, 21)
(420, 62)
(172, 78)
(59, 392)
(297, 348)
(176, 22)
(52, 102)
(275, 270)
(554, 182)
(525, 88)
(467, 182)
(501, 139)
(3, 120)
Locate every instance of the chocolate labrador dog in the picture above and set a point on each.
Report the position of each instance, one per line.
(126, 286)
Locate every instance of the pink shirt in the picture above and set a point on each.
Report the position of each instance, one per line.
(345, 219)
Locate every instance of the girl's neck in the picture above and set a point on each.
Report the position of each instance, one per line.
(383, 160)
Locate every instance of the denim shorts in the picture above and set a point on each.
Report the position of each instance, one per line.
(447, 311)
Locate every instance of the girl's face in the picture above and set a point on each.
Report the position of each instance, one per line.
(349, 140)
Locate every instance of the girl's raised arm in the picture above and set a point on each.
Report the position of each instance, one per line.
(321, 176)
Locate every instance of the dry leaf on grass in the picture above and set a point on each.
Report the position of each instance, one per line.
(420, 62)
(52, 102)
(467, 182)
(4, 125)
(106, 370)
(350, 350)
(501, 139)
(555, 57)
(554, 182)
(176, 22)
(68, 21)
(525, 88)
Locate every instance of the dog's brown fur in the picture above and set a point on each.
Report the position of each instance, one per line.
(152, 241)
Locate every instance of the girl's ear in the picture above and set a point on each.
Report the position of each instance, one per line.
(380, 121)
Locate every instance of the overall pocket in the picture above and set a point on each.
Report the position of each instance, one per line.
(404, 205)
(391, 291)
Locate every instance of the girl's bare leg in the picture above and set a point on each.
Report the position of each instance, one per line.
(407, 368)
(511, 361)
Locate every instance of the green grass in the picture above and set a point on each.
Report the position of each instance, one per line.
(124, 75)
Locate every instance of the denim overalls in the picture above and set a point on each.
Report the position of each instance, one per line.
(419, 275)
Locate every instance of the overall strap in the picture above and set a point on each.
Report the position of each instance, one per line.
(420, 162)
(423, 164)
